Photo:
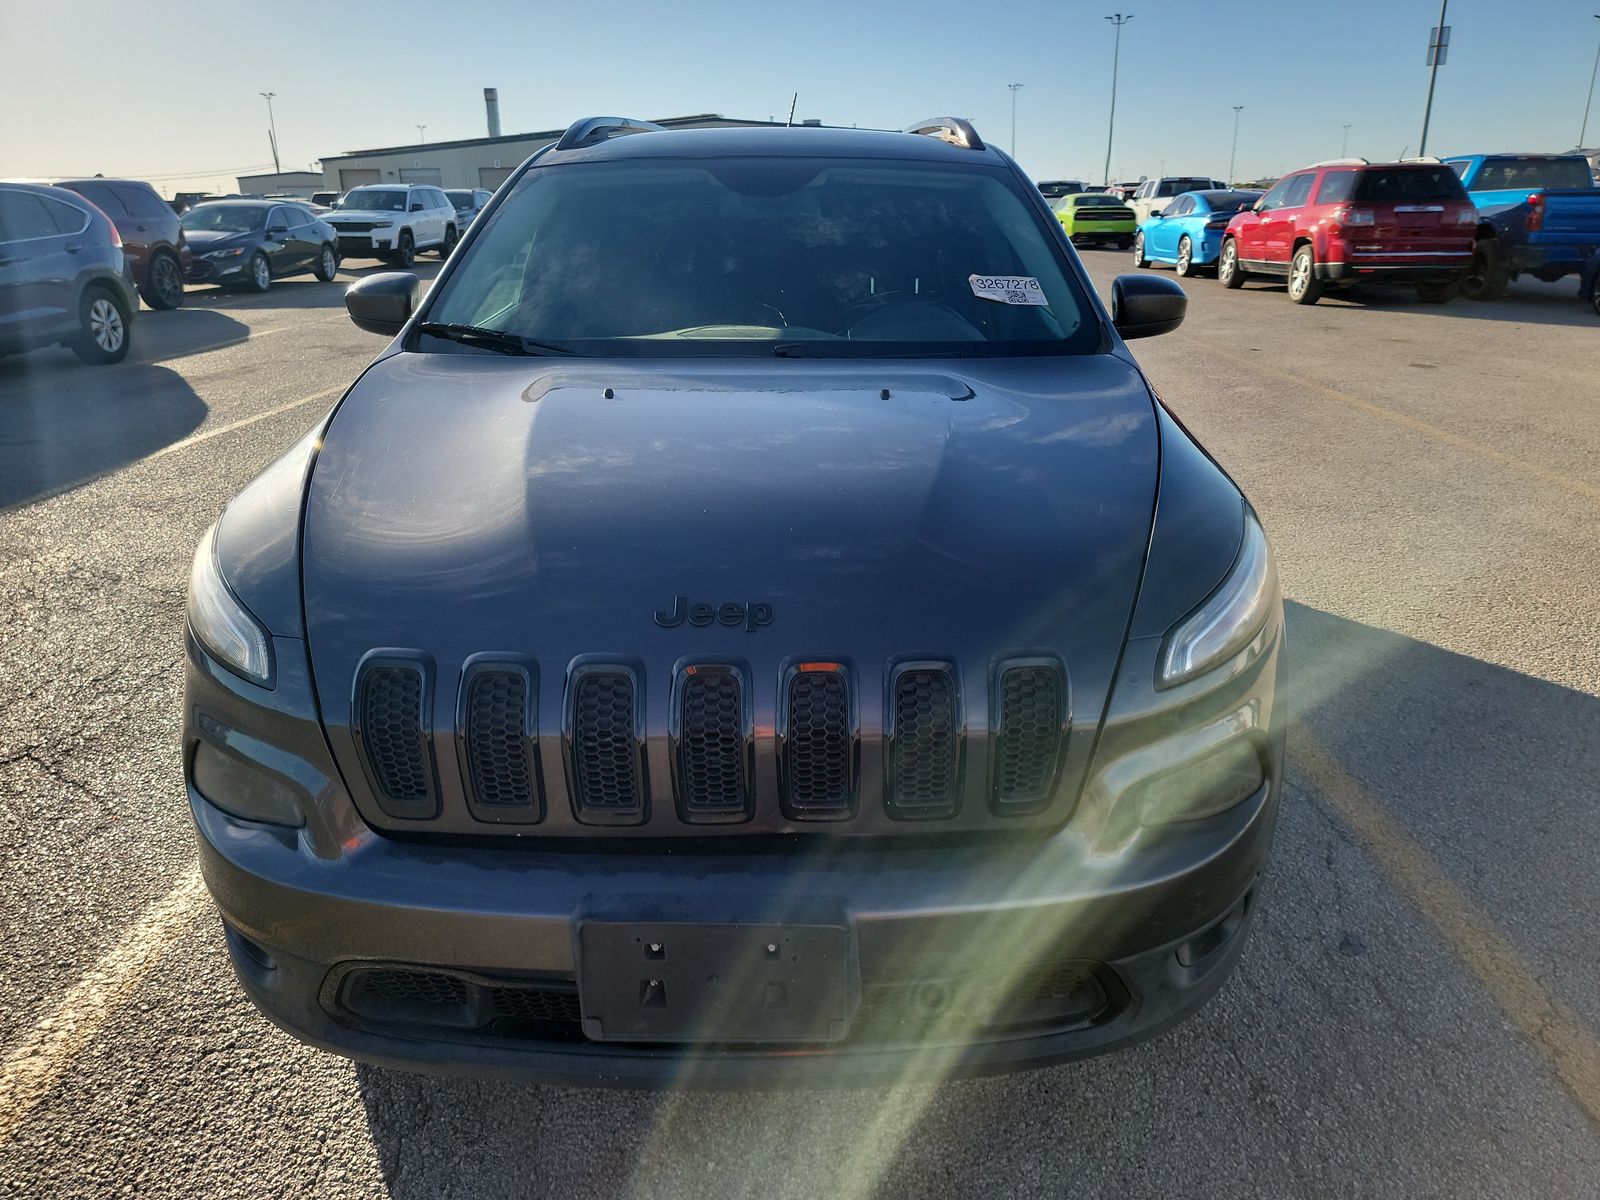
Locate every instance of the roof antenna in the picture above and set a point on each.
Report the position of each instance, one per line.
(789, 124)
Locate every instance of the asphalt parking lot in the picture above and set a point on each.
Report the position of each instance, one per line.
(1418, 1013)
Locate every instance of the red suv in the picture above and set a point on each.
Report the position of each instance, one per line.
(1353, 221)
(151, 235)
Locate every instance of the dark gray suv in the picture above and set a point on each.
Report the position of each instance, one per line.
(63, 275)
(753, 624)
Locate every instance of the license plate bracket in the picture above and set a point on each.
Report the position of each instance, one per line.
(746, 971)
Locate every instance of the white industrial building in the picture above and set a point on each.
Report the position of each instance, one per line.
(281, 183)
(474, 162)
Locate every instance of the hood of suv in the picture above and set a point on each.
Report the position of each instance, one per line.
(464, 504)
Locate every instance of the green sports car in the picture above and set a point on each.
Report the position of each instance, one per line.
(1095, 217)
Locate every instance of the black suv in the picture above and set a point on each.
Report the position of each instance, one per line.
(753, 622)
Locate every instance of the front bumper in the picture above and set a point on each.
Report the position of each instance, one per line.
(217, 270)
(375, 244)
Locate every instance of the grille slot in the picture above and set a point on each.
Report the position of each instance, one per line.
(384, 995)
(389, 721)
(1027, 742)
(604, 746)
(713, 755)
(818, 757)
(924, 741)
(498, 720)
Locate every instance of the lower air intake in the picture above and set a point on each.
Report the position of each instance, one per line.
(1027, 744)
(389, 724)
(817, 758)
(713, 770)
(924, 742)
(604, 747)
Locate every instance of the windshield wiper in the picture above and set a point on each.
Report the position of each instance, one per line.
(491, 339)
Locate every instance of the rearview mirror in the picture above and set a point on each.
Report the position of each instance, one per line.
(1146, 305)
(382, 303)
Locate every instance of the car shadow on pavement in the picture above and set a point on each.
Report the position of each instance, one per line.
(298, 291)
(62, 424)
(1354, 1052)
(1528, 302)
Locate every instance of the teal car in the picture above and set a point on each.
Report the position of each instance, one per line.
(1188, 233)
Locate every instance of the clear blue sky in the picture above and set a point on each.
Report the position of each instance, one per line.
(167, 89)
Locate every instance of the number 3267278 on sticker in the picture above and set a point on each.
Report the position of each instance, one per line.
(1007, 289)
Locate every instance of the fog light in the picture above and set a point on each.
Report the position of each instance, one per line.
(242, 790)
(1204, 787)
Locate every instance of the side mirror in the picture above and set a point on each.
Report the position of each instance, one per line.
(384, 302)
(1146, 305)
(416, 206)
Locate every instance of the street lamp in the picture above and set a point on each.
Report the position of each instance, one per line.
(1014, 87)
(272, 129)
(1595, 71)
(1344, 146)
(1237, 109)
(422, 133)
(1116, 53)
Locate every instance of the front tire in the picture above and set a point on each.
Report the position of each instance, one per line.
(1487, 280)
(163, 284)
(1186, 266)
(259, 277)
(327, 265)
(1139, 260)
(405, 254)
(103, 318)
(1229, 273)
(1594, 293)
(1304, 286)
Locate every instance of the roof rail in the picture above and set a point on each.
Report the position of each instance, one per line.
(958, 131)
(1337, 162)
(597, 129)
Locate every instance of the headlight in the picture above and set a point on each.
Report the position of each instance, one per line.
(1233, 622)
(221, 624)
(231, 252)
(382, 224)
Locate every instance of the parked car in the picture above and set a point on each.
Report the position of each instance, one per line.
(1538, 213)
(1054, 189)
(152, 237)
(1095, 218)
(733, 639)
(64, 277)
(249, 243)
(1349, 221)
(324, 200)
(393, 221)
(1123, 191)
(469, 202)
(1188, 234)
(1153, 195)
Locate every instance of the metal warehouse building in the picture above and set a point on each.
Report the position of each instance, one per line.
(473, 162)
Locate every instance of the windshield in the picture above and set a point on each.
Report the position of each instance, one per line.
(1229, 201)
(224, 218)
(1530, 174)
(460, 197)
(1097, 200)
(380, 199)
(742, 255)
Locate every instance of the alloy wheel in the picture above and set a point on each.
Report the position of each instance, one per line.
(262, 273)
(167, 283)
(105, 325)
(1184, 257)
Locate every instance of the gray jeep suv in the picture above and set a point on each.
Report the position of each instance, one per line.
(754, 623)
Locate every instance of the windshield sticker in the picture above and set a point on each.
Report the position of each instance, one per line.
(1007, 289)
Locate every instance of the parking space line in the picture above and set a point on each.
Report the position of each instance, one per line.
(1558, 1033)
(1427, 428)
(45, 1053)
(206, 435)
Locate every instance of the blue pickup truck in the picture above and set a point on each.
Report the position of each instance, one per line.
(1538, 213)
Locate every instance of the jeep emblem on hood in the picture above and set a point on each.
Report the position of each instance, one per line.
(752, 616)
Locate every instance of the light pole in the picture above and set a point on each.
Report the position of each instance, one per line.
(1344, 146)
(1014, 88)
(1435, 54)
(1237, 109)
(1595, 71)
(422, 133)
(272, 129)
(1116, 53)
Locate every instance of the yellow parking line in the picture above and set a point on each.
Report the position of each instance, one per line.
(1555, 1030)
(50, 1047)
(1427, 428)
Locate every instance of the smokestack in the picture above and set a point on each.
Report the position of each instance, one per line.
(491, 104)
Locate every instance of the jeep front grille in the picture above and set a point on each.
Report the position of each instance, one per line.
(818, 759)
(393, 738)
(713, 746)
(1028, 732)
(924, 726)
(604, 746)
(498, 722)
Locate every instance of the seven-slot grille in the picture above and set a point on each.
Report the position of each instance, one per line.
(605, 762)
(498, 722)
(924, 741)
(713, 754)
(389, 721)
(818, 755)
(1027, 740)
